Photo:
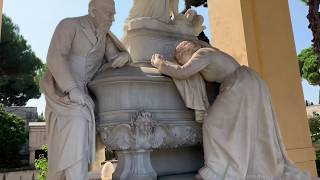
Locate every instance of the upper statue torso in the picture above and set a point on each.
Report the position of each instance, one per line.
(76, 53)
(211, 65)
(161, 10)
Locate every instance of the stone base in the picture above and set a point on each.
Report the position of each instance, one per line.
(178, 177)
(175, 164)
(94, 175)
(177, 161)
(134, 165)
(171, 177)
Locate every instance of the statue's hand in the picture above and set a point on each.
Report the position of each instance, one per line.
(121, 60)
(77, 96)
(156, 60)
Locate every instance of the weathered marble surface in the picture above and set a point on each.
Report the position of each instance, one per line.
(143, 88)
(241, 137)
(140, 111)
(76, 53)
(164, 122)
(145, 35)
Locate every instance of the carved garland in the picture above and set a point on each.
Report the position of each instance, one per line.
(144, 132)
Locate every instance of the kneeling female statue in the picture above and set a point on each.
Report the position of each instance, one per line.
(241, 137)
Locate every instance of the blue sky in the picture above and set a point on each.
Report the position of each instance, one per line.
(37, 20)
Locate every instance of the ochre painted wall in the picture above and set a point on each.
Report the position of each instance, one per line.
(258, 33)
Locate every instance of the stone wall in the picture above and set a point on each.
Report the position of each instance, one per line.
(312, 109)
(37, 138)
(28, 114)
(19, 175)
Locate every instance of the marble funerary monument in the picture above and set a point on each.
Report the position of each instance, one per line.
(140, 113)
(97, 82)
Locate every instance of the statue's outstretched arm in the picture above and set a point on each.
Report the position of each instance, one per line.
(193, 66)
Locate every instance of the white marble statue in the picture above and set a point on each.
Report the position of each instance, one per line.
(107, 170)
(162, 10)
(79, 47)
(241, 137)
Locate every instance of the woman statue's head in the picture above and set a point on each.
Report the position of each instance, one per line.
(185, 50)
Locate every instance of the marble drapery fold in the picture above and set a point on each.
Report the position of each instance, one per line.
(75, 54)
(241, 137)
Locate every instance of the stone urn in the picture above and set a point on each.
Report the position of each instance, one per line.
(140, 113)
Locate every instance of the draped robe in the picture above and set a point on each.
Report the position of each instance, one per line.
(241, 137)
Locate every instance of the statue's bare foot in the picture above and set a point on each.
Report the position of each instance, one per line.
(198, 177)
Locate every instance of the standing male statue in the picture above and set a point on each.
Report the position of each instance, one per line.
(78, 49)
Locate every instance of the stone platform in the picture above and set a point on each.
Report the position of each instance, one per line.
(171, 177)
(178, 177)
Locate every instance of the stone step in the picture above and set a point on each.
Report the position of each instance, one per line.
(190, 176)
(94, 175)
(178, 177)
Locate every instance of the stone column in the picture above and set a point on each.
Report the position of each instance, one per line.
(259, 34)
(1, 7)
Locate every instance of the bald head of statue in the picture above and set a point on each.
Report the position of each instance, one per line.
(102, 12)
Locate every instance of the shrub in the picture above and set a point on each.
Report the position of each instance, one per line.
(12, 137)
(314, 124)
(41, 165)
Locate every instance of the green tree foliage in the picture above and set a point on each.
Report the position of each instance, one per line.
(196, 3)
(12, 138)
(18, 67)
(41, 72)
(309, 68)
(314, 24)
(41, 164)
(314, 124)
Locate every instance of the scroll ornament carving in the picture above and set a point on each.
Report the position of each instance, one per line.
(143, 132)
